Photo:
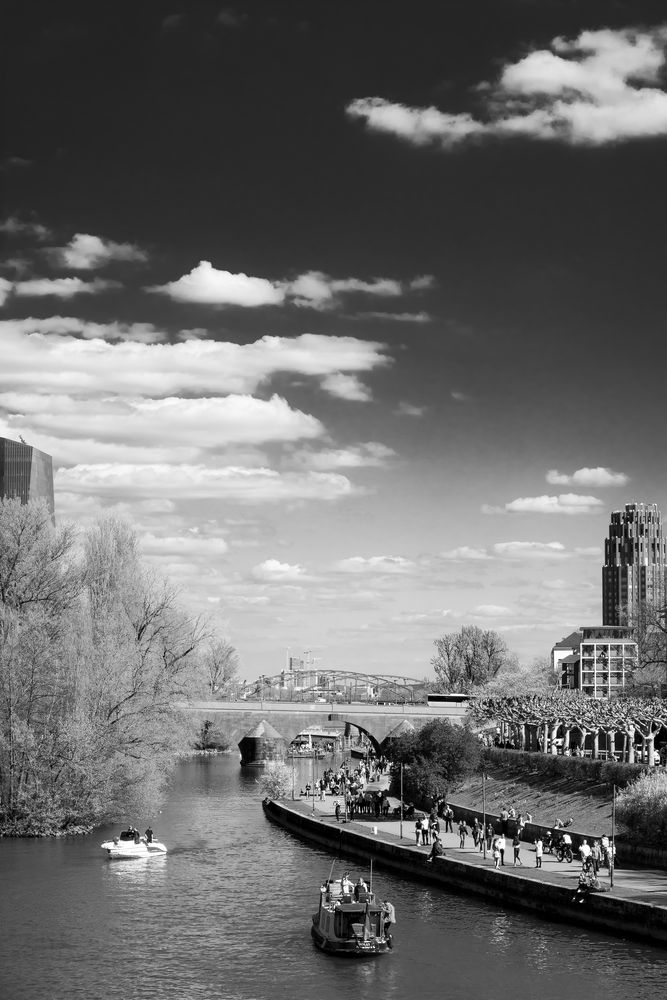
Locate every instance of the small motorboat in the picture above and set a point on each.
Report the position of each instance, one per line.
(351, 921)
(128, 844)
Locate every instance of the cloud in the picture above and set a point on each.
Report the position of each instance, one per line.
(402, 317)
(357, 456)
(69, 364)
(466, 553)
(347, 387)
(590, 90)
(460, 397)
(598, 476)
(410, 410)
(207, 285)
(190, 546)
(530, 550)
(375, 564)
(13, 226)
(64, 326)
(273, 571)
(207, 423)
(5, 290)
(62, 288)
(230, 483)
(85, 252)
(490, 611)
(566, 503)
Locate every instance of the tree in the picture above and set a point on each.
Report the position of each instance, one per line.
(436, 759)
(469, 659)
(276, 781)
(221, 667)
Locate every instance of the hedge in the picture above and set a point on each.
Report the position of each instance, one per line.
(595, 772)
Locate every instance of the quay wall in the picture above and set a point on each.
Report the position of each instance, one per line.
(600, 911)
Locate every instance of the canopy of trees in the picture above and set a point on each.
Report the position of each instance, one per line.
(469, 659)
(436, 760)
(95, 653)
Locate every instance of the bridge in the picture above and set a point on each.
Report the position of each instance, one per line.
(234, 719)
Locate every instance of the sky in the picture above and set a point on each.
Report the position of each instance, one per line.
(355, 310)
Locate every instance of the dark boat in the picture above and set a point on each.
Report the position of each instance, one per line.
(351, 921)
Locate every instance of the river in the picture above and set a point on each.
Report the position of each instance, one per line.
(226, 916)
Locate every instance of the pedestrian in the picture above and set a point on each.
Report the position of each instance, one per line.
(418, 832)
(584, 853)
(435, 827)
(449, 819)
(501, 848)
(489, 835)
(596, 856)
(504, 817)
(476, 828)
(496, 853)
(425, 831)
(463, 831)
(516, 844)
(539, 850)
(337, 810)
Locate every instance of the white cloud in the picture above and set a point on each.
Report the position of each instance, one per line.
(231, 483)
(62, 288)
(273, 571)
(347, 387)
(375, 564)
(190, 546)
(466, 553)
(565, 503)
(204, 423)
(530, 550)
(353, 457)
(5, 290)
(402, 317)
(84, 252)
(490, 611)
(590, 90)
(599, 476)
(207, 285)
(69, 364)
(13, 226)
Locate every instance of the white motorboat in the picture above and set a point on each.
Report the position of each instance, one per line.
(128, 844)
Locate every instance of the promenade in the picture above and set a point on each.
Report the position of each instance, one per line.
(639, 885)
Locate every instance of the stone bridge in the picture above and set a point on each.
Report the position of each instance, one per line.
(234, 719)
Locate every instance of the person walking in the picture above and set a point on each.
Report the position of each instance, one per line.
(539, 850)
(337, 810)
(476, 831)
(584, 853)
(516, 844)
(489, 835)
(496, 853)
(501, 848)
(448, 817)
(418, 832)
(425, 831)
(596, 856)
(463, 831)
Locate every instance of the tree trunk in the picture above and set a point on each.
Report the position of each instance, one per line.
(552, 736)
(566, 738)
(596, 744)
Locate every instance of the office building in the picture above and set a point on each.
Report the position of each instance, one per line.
(635, 564)
(26, 473)
(597, 660)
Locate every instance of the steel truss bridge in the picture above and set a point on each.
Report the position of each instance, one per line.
(310, 684)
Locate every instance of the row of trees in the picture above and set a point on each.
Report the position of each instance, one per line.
(537, 719)
(95, 654)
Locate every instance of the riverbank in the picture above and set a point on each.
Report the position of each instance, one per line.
(636, 905)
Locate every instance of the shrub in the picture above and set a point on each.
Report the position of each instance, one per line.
(642, 806)
(276, 781)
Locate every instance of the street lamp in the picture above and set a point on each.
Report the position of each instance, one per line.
(401, 826)
(484, 813)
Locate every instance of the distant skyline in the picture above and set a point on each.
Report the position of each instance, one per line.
(356, 311)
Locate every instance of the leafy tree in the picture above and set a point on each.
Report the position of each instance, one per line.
(470, 658)
(642, 806)
(276, 781)
(436, 759)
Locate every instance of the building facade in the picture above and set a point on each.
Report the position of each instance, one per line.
(597, 660)
(635, 563)
(26, 473)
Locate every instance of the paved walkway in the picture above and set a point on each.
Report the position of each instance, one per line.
(642, 885)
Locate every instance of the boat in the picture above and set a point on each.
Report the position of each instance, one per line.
(128, 844)
(351, 921)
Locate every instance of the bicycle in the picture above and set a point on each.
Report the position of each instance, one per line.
(564, 853)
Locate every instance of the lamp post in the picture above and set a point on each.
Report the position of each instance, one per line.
(401, 826)
(613, 837)
(484, 813)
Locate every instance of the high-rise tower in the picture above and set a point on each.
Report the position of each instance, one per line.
(635, 563)
(25, 473)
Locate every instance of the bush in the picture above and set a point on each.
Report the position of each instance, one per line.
(276, 781)
(643, 808)
(594, 772)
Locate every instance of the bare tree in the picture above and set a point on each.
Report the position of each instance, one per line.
(469, 659)
(221, 665)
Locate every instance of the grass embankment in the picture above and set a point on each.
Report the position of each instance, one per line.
(544, 797)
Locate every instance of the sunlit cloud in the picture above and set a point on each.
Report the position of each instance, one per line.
(370, 454)
(566, 503)
(598, 477)
(601, 87)
(347, 387)
(13, 226)
(273, 571)
(375, 564)
(85, 252)
(61, 288)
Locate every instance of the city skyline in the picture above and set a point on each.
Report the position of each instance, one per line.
(356, 314)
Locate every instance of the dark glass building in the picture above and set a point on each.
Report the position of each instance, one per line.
(26, 473)
(635, 563)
